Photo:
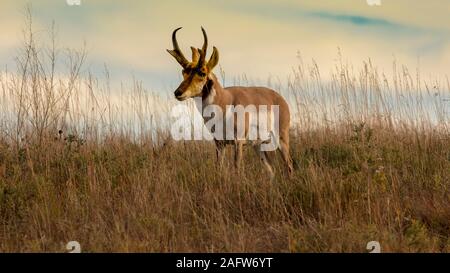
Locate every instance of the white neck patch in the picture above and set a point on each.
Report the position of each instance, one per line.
(210, 98)
(202, 103)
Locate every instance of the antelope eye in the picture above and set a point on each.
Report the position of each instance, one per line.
(201, 74)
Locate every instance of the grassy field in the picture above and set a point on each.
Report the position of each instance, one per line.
(351, 187)
(372, 153)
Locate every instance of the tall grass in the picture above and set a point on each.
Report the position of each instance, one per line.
(80, 160)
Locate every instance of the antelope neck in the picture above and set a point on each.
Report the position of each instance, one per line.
(213, 93)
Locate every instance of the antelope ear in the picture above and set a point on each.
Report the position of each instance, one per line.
(195, 55)
(214, 60)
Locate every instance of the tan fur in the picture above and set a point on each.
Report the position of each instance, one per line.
(238, 95)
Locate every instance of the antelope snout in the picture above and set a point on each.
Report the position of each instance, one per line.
(178, 93)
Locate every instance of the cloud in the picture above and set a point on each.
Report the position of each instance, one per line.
(361, 20)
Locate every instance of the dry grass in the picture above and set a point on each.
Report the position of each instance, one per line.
(373, 164)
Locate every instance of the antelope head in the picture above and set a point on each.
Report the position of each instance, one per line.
(195, 73)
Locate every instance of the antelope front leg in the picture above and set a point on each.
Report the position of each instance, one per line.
(264, 156)
(238, 146)
(220, 153)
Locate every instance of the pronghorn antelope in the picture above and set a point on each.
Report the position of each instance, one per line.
(200, 81)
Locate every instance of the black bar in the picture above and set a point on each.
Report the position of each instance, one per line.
(188, 262)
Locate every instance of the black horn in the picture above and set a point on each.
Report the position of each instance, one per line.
(204, 49)
(176, 52)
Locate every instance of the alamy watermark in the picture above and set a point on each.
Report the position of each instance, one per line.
(73, 2)
(373, 2)
(73, 247)
(255, 123)
(374, 247)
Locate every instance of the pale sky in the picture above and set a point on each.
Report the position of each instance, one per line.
(259, 38)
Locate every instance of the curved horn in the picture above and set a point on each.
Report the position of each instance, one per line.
(205, 41)
(176, 52)
(204, 48)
